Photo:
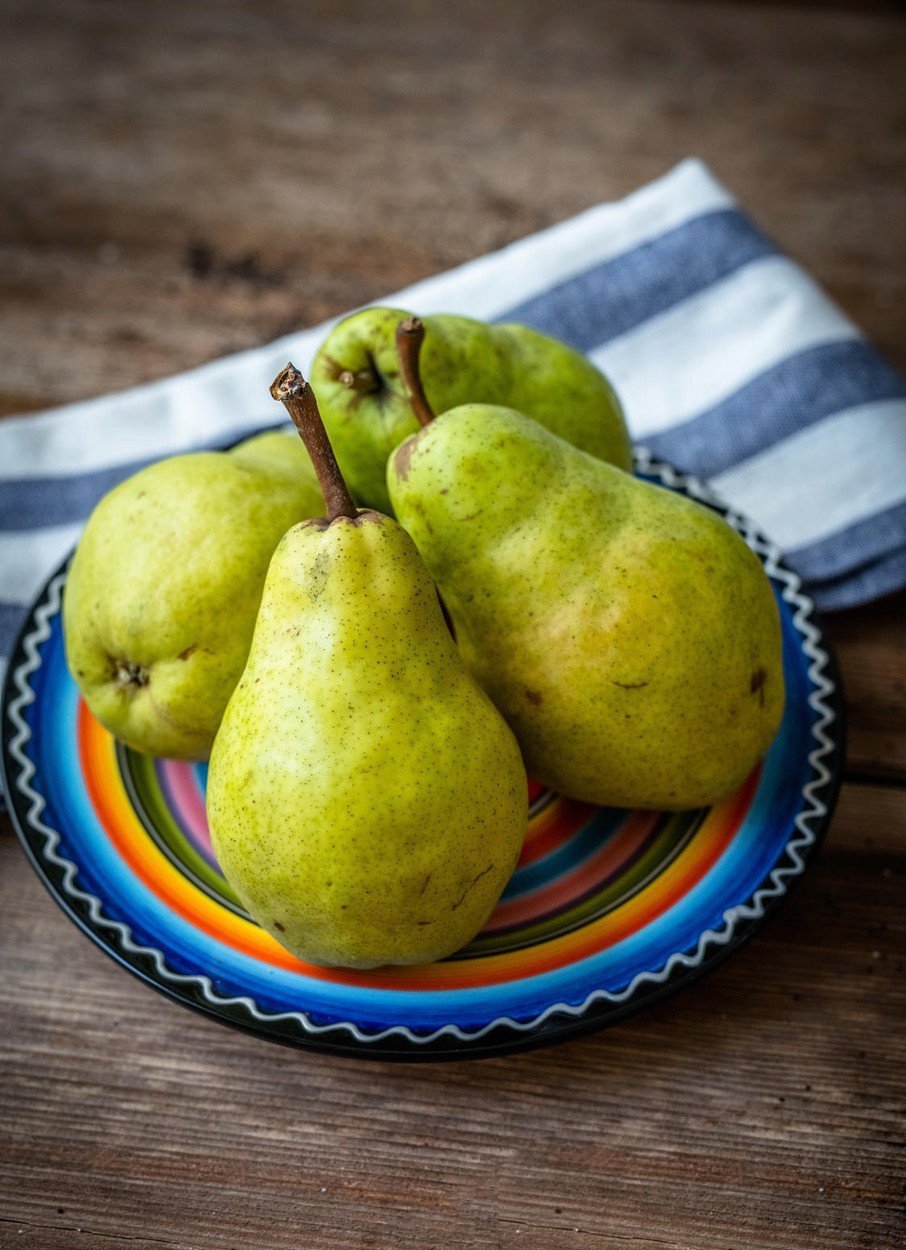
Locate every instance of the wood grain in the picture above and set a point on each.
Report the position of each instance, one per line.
(871, 648)
(182, 181)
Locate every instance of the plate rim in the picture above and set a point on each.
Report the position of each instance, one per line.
(559, 1020)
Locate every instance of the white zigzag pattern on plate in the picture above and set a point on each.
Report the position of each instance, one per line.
(814, 808)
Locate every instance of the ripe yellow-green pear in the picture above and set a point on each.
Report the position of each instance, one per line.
(628, 635)
(161, 598)
(368, 412)
(366, 800)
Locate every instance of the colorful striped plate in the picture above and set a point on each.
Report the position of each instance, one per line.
(608, 910)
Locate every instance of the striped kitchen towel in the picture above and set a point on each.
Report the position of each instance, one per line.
(730, 361)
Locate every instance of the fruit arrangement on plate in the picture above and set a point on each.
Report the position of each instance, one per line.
(375, 634)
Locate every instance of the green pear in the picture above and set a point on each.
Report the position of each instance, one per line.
(366, 800)
(162, 594)
(628, 635)
(368, 412)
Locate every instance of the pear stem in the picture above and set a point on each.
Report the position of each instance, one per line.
(410, 335)
(297, 397)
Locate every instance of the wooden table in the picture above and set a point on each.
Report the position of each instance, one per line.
(182, 181)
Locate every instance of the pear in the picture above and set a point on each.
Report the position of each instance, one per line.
(368, 413)
(628, 635)
(163, 590)
(366, 800)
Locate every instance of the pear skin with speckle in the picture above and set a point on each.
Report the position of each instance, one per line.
(628, 634)
(367, 410)
(162, 593)
(366, 800)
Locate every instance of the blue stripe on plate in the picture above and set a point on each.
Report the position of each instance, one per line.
(566, 858)
(795, 394)
(617, 295)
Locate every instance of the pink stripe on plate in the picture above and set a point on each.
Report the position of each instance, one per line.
(179, 779)
(558, 895)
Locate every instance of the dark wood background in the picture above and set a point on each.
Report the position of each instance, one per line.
(183, 180)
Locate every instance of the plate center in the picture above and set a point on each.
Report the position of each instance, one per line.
(578, 862)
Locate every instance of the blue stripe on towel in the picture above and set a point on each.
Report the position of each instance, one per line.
(11, 617)
(617, 295)
(882, 577)
(831, 557)
(798, 392)
(49, 501)
(46, 501)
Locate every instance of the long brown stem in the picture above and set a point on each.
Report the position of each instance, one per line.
(410, 335)
(297, 397)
